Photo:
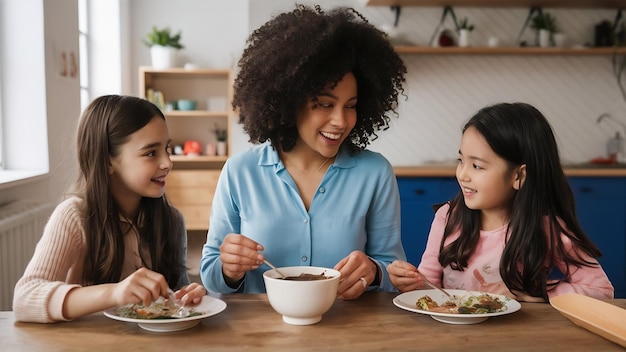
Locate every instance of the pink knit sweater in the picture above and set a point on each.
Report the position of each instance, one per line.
(483, 271)
(57, 265)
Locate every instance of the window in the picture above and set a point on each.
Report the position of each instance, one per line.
(83, 44)
(22, 76)
(1, 129)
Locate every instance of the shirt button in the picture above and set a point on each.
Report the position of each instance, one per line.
(322, 190)
(306, 220)
(304, 258)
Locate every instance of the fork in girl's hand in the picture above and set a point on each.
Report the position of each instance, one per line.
(175, 303)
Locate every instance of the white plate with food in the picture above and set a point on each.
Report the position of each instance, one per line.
(468, 307)
(158, 318)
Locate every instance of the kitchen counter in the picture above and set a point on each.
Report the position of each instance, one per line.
(369, 323)
(448, 170)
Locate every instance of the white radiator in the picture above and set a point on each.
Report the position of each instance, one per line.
(21, 227)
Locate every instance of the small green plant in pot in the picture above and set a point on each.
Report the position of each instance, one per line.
(220, 134)
(163, 47)
(544, 25)
(163, 37)
(464, 24)
(464, 28)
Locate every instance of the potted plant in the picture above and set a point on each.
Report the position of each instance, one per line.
(220, 137)
(544, 25)
(163, 47)
(464, 28)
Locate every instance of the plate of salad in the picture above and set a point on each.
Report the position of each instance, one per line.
(465, 307)
(160, 317)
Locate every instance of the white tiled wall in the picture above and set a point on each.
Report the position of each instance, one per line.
(444, 91)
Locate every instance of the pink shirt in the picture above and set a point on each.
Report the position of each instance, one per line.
(483, 271)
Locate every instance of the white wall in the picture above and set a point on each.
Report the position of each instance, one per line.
(63, 94)
(442, 91)
(213, 32)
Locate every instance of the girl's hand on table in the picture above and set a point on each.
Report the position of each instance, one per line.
(141, 287)
(358, 271)
(405, 276)
(239, 254)
(191, 294)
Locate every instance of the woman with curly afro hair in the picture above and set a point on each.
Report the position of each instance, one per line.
(313, 89)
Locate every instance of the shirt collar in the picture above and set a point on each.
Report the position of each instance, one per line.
(269, 157)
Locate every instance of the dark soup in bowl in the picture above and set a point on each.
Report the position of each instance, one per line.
(307, 277)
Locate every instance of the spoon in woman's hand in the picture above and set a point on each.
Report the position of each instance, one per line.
(276, 270)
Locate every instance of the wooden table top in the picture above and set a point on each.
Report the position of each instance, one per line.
(370, 323)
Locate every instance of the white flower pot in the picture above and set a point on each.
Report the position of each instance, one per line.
(163, 56)
(221, 148)
(544, 38)
(464, 38)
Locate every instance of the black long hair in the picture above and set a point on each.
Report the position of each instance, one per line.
(542, 209)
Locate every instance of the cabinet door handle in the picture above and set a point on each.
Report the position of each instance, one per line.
(585, 189)
(420, 192)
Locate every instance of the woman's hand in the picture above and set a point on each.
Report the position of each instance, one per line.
(358, 271)
(404, 276)
(191, 294)
(239, 254)
(143, 286)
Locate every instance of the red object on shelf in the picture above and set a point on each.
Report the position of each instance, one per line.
(601, 160)
(192, 148)
(445, 38)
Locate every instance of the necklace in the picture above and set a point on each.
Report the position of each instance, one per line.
(324, 163)
(304, 171)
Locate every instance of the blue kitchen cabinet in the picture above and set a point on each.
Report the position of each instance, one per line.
(601, 207)
(417, 197)
(449, 188)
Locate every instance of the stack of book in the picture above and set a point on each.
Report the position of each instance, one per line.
(156, 97)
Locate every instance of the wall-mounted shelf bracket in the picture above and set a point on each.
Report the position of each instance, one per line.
(396, 10)
(617, 29)
(446, 10)
(533, 10)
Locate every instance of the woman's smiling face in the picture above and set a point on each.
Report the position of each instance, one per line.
(325, 122)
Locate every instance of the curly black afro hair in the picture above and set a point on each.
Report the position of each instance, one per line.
(296, 55)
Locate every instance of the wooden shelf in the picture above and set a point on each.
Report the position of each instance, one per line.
(196, 113)
(192, 182)
(198, 159)
(182, 72)
(503, 3)
(454, 50)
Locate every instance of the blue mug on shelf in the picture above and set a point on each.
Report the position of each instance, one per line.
(185, 104)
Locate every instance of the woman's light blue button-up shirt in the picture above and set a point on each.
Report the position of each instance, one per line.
(356, 207)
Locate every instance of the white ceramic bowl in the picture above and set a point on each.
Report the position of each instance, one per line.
(301, 302)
